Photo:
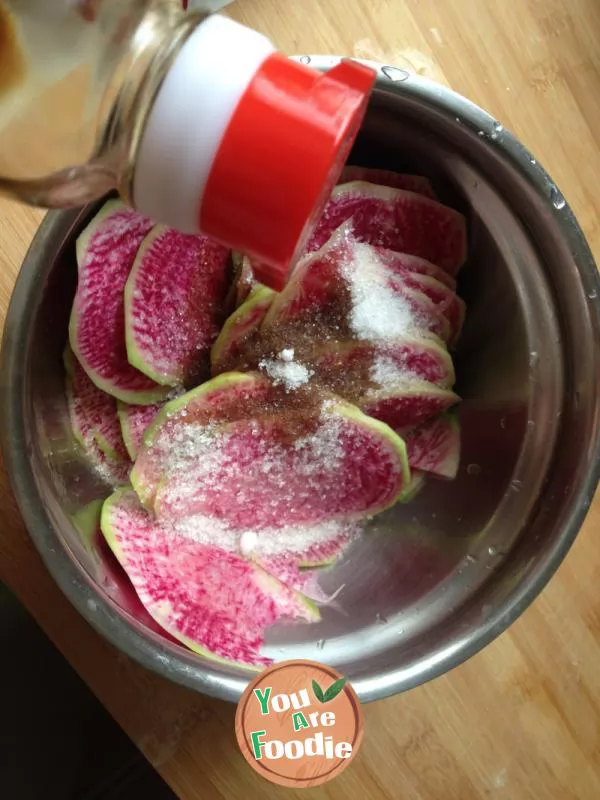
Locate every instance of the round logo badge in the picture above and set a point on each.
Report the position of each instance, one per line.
(299, 724)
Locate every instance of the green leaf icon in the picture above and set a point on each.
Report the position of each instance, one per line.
(334, 690)
(318, 692)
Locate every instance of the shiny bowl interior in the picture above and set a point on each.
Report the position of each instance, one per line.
(433, 581)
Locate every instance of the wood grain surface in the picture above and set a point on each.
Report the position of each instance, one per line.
(521, 719)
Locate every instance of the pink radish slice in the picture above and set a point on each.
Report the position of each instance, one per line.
(395, 219)
(407, 404)
(95, 424)
(105, 254)
(134, 421)
(446, 301)
(401, 263)
(174, 300)
(348, 367)
(107, 570)
(252, 475)
(239, 326)
(383, 177)
(297, 565)
(227, 398)
(346, 289)
(435, 446)
(213, 601)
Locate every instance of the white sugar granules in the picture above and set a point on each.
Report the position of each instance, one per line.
(205, 466)
(248, 542)
(286, 372)
(260, 544)
(377, 311)
(298, 538)
(387, 371)
(202, 461)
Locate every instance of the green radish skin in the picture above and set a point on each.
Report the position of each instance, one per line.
(418, 479)
(134, 421)
(85, 522)
(239, 326)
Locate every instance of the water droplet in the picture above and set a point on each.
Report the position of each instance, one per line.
(533, 161)
(593, 294)
(503, 423)
(556, 198)
(459, 519)
(534, 357)
(395, 74)
(304, 59)
(516, 485)
(433, 516)
(531, 423)
(321, 644)
(481, 133)
(458, 119)
(496, 131)
(492, 551)
(470, 559)
(473, 469)
(380, 619)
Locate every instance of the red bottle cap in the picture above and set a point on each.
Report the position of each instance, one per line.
(282, 152)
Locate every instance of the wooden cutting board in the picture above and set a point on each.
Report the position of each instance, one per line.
(521, 719)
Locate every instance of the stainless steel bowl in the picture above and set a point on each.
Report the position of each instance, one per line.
(433, 581)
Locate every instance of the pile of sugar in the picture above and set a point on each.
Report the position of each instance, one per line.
(377, 311)
(286, 372)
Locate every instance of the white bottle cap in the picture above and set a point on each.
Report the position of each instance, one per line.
(244, 144)
(190, 115)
